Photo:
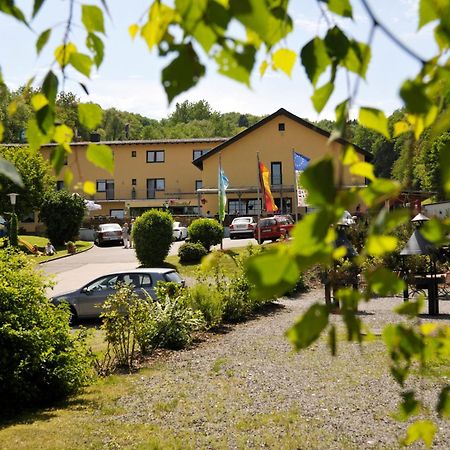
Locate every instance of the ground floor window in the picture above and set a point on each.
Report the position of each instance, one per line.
(117, 213)
(287, 205)
(244, 207)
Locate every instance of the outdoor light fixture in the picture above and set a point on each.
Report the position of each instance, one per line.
(13, 198)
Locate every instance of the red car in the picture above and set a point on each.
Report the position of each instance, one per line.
(272, 228)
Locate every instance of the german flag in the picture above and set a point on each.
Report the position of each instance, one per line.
(264, 177)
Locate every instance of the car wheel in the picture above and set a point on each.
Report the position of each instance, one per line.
(97, 243)
(73, 318)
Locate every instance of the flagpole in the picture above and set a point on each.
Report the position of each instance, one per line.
(259, 197)
(220, 189)
(295, 186)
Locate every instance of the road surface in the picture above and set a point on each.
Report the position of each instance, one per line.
(74, 271)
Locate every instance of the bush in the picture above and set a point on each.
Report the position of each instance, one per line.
(40, 359)
(191, 252)
(62, 214)
(209, 301)
(205, 231)
(152, 237)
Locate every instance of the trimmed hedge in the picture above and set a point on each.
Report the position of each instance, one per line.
(152, 237)
(205, 231)
(191, 252)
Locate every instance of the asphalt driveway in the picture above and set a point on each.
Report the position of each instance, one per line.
(74, 271)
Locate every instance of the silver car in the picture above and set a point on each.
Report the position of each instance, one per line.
(87, 301)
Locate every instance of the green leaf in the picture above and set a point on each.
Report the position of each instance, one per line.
(400, 128)
(35, 137)
(383, 282)
(309, 328)
(318, 180)
(358, 58)
(443, 406)
(92, 18)
(315, 59)
(341, 7)
(321, 96)
(63, 134)
(159, 18)
(101, 156)
(9, 171)
(427, 12)
(2, 130)
(182, 73)
(45, 118)
(363, 169)
(192, 12)
(435, 231)
(63, 53)
(90, 115)
(408, 407)
(96, 46)
(68, 177)
(8, 7)
(271, 24)
(444, 159)
(89, 187)
(421, 430)
(133, 29)
(50, 87)
(410, 309)
(387, 221)
(58, 158)
(82, 63)
(379, 245)
(284, 59)
(37, 6)
(42, 40)
(236, 65)
(337, 43)
(374, 119)
(414, 96)
(272, 273)
(38, 101)
(378, 191)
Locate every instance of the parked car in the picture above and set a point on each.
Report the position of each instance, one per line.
(87, 301)
(3, 227)
(108, 233)
(272, 228)
(242, 227)
(179, 232)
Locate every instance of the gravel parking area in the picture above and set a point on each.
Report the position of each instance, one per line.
(247, 389)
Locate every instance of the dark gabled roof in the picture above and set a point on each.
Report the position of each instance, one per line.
(199, 161)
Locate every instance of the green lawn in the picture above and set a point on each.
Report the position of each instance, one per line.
(40, 242)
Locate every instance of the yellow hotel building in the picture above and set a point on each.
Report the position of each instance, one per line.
(181, 174)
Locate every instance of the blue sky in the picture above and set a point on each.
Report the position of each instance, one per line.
(129, 78)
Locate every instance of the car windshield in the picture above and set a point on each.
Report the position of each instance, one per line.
(173, 276)
(267, 222)
(110, 227)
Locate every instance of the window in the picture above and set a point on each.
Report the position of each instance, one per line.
(117, 213)
(281, 126)
(133, 153)
(153, 185)
(155, 156)
(59, 185)
(276, 178)
(198, 184)
(106, 186)
(197, 153)
(133, 182)
(246, 207)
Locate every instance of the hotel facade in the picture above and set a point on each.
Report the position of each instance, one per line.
(181, 174)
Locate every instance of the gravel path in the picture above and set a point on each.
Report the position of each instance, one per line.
(247, 389)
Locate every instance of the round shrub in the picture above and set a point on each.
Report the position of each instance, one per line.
(152, 237)
(62, 214)
(206, 231)
(40, 359)
(191, 252)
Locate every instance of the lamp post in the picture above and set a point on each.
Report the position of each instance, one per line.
(13, 222)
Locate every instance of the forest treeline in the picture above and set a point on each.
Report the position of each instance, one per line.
(416, 166)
